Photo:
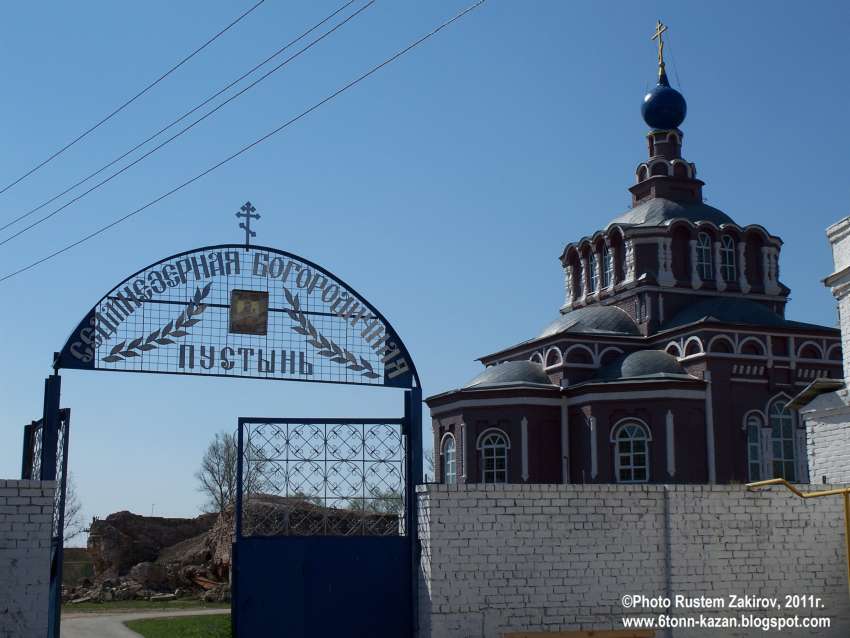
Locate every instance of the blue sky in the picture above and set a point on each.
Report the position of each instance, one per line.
(443, 188)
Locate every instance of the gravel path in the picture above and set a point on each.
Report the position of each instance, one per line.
(112, 625)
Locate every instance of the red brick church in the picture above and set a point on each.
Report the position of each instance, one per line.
(671, 360)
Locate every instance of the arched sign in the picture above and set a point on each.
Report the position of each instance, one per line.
(240, 311)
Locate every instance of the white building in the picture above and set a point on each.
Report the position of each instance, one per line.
(824, 405)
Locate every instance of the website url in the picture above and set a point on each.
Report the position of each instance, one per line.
(744, 621)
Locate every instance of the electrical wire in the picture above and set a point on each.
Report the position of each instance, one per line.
(131, 100)
(178, 120)
(185, 129)
(248, 147)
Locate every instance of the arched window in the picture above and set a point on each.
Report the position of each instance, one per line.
(607, 266)
(631, 453)
(705, 264)
(449, 460)
(493, 450)
(592, 273)
(753, 426)
(782, 438)
(727, 259)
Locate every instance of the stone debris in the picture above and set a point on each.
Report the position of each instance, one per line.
(154, 558)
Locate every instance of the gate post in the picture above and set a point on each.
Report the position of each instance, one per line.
(49, 446)
(26, 456)
(413, 423)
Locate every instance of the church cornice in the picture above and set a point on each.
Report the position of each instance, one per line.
(625, 291)
(528, 348)
(649, 233)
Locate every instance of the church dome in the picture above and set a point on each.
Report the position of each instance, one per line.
(663, 107)
(643, 363)
(728, 310)
(510, 373)
(660, 211)
(593, 319)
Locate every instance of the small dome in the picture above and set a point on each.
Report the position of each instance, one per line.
(511, 373)
(593, 319)
(663, 107)
(643, 363)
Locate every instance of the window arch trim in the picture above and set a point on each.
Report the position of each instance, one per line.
(492, 430)
(813, 344)
(446, 438)
(626, 421)
(498, 473)
(728, 259)
(757, 341)
(784, 459)
(705, 259)
(631, 452)
(560, 360)
(721, 338)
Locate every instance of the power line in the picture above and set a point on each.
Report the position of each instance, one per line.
(248, 147)
(178, 120)
(182, 131)
(132, 99)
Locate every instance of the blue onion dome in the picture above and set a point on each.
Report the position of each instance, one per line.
(664, 107)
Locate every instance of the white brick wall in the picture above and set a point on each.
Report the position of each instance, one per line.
(839, 239)
(560, 557)
(828, 441)
(26, 519)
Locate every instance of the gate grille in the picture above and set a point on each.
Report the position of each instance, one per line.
(327, 477)
(33, 462)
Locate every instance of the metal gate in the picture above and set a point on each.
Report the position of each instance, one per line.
(324, 529)
(45, 458)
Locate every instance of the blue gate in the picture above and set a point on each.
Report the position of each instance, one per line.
(45, 458)
(325, 528)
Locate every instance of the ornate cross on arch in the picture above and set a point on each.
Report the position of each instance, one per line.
(247, 211)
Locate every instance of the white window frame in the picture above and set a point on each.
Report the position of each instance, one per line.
(644, 437)
(728, 267)
(592, 275)
(449, 463)
(753, 425)
(779, 416)
(705, 262)
(488, 448)
(607, 267)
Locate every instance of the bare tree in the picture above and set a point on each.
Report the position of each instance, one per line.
(73, 522)
(217, 474)
(429, 465)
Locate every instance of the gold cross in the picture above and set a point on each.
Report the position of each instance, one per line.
(660, 28)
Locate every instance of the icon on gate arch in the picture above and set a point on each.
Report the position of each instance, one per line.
(249, 312)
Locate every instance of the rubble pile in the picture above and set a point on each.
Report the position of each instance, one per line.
(154, 558)
(148, 557)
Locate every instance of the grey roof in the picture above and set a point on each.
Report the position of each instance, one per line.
(511, 373)
(643, 363)
(818, 388)
(593, 319)
(659, 212)
(732, 310)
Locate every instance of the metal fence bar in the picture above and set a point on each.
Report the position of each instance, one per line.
(321, 476)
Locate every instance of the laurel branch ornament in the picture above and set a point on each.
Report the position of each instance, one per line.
(165, 335)
(326, 347)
